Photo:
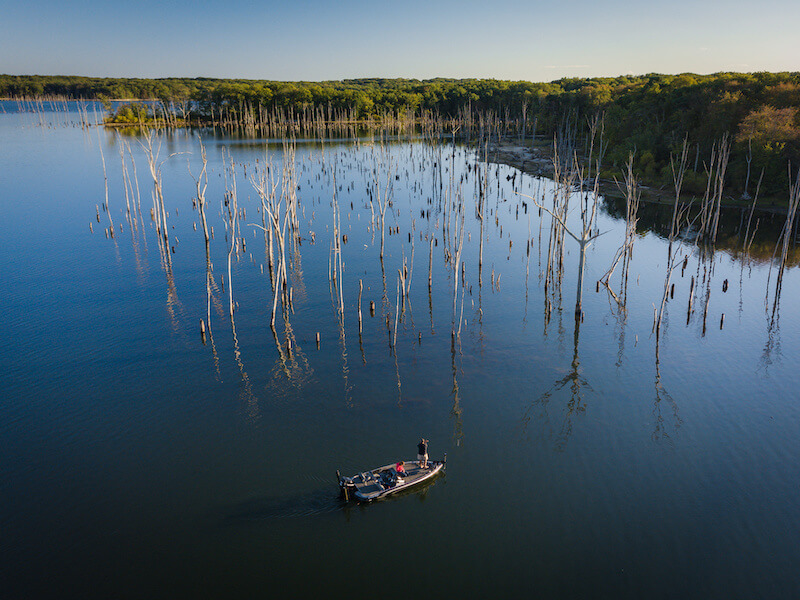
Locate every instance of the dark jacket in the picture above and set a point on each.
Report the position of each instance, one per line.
(422, 448)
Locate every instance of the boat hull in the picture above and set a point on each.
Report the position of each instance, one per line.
(383, 481)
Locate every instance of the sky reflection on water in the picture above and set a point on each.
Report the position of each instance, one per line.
(126, 437)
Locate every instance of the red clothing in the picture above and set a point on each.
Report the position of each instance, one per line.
(399, 468)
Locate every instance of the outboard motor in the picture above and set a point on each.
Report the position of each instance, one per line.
(347, 485)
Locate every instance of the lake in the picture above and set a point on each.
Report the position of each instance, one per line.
(141, 459)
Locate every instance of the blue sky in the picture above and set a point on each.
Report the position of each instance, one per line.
(315, 40)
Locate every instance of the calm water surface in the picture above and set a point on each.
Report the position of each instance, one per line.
(138, 461)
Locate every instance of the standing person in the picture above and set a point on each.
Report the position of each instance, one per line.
(422, 453)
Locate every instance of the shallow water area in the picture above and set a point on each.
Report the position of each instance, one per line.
(140, 459)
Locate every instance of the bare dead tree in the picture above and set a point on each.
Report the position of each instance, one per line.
(152, 152)
(678, 173)
(679, 215)
(231, 199)
(588, 205)
(785, 240)
(384, 199)
(749, 159)
(121, 150)
(201, 184)
(632, 193)
(748, 239)
(712, 198)
(277, 220)
(459, 246)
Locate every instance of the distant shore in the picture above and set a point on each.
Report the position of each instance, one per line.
(537, 160)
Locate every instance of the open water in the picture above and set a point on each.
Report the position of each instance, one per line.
(138, 461)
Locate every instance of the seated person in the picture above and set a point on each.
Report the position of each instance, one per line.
(400, 468)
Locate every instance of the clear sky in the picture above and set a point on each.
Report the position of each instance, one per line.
(322, 40)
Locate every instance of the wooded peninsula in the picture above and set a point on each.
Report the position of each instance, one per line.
(753, 116)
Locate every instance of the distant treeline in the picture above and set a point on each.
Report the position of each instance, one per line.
(648, 114)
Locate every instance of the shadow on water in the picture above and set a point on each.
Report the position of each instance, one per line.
(311, 504)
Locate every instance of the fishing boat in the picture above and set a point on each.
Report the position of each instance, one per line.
(384, 481)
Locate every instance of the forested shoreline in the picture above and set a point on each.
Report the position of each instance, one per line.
(756, 115)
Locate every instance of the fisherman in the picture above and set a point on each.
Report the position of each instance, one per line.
(400, 468)
(422, 453)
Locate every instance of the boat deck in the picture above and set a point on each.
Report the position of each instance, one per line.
(381, 482)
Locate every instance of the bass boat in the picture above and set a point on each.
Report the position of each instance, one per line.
(384, 481)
